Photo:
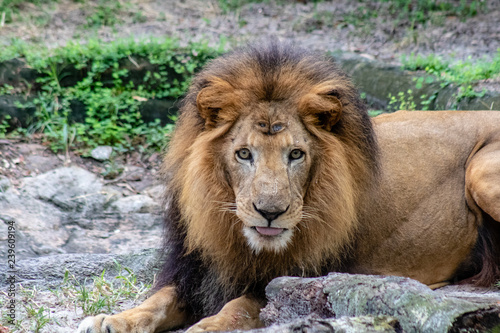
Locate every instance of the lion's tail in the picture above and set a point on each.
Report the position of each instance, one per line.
(486, 255)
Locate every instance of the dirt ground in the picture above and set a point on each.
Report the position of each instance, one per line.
(328, 25)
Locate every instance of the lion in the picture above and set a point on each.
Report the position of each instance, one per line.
(275, 168)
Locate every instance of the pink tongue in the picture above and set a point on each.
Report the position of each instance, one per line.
(269, 231)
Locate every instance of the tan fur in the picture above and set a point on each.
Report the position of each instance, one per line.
(160, 311)
(333, 194)
(440, 185)
(240, 313)
(416, 211)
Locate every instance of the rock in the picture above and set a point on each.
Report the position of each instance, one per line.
(4, 183)
(40, 163)
(39, 225)
(48, 272)
(101, 153)
(315, 324)
(135, 204)
(133, 173)
(414, 305)
(142, 230)
(155, 192)
(69, 188)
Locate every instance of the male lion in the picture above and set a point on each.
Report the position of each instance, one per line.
(274, 170)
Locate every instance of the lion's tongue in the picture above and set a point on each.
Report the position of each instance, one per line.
(269, 231)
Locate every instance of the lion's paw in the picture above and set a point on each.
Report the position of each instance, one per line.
(106, 324)
(91, 325)
(209, 324)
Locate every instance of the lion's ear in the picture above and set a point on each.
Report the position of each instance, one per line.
(217, 102)
(321, 107)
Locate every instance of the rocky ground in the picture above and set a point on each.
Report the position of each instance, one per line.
(63, 205)
(66, 204)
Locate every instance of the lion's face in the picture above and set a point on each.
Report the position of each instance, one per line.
(268, 166)
(268, 158)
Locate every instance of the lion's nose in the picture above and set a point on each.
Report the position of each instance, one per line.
(270, 216)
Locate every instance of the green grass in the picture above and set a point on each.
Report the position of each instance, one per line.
(97, 13)
(461, 73)
(11, 10)
(109, 94)
(420, 11)
(404, 15)
(101, 295)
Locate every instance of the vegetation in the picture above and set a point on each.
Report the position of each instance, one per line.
(111, 82)
(102, 295)
(97, 13)
(88, 299)
(415, 10)
(421, 11)
(461, 73)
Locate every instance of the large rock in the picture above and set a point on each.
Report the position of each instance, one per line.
(49, 271)
(414, 305)
(70, 189)
(38, 225)
(70, 210)
(316, 324)
(135, 204)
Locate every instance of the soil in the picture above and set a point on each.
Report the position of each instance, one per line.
(327, 25)
(30, 157)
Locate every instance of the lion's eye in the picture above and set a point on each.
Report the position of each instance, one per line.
(244, 154)
(296, 154)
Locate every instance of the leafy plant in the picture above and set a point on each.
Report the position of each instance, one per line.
(41, 316)
(105, 14)
(462, 73)
(4, 126)
(107, 90)
(38, 316)
(403, 101)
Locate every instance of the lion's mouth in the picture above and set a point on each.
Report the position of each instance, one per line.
(266, 231)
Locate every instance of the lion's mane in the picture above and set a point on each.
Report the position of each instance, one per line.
(207, 257)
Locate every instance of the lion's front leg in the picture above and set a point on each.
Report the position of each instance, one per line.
(161, 311)
(241, 313)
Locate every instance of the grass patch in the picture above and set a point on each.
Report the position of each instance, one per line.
(96, 13)
(461, 73)
(102, 295)
(421, 11)
(404, 15)
(11, 10)
(36, 311)
(110, 81)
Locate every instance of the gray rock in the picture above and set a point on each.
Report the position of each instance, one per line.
(155, 192)
(315, 324)
(40, 163)
(101, 153)
(39, 225)
(119, 240)
(135, 204)
(414, 305)
(70, 189)
(48, 272)
(4, 183)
